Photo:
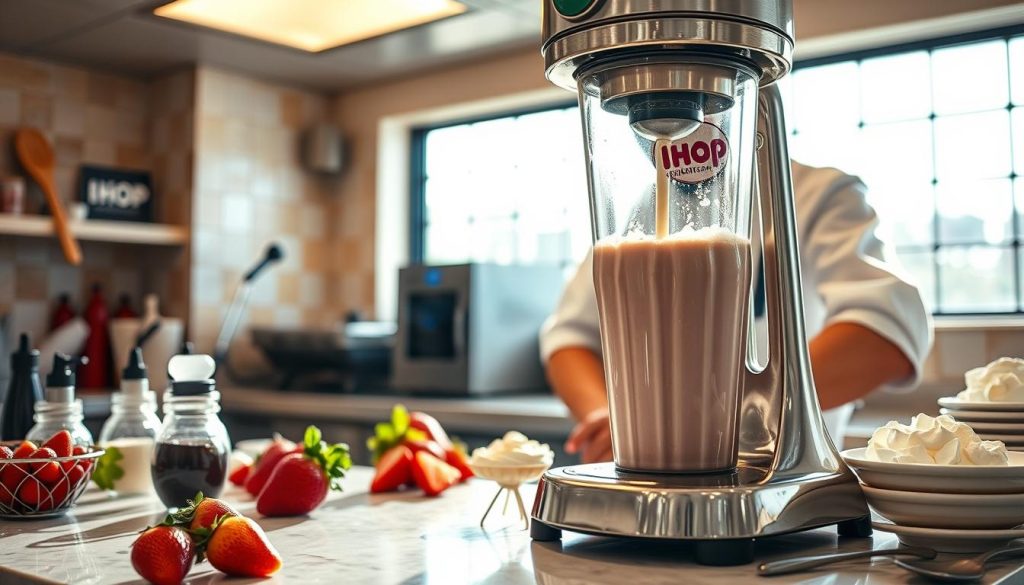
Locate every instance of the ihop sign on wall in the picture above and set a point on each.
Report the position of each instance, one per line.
(116, 194)
(697, 157)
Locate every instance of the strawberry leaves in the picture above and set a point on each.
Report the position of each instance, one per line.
(333, 459)
(391, 433)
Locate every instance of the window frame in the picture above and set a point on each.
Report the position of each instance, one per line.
(418, 154)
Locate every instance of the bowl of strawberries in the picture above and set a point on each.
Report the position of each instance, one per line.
(45, 480)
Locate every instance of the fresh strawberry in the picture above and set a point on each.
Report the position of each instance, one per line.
(6, 495)
(456, 457)
(163, 555)
(66, 485)
(432, 474)
(300, 481)
(208, 510)
(48, 472)
(85, 464)
(5, 452)
(264, 467)
(240, 474)
(239, 547)
(425, 445)
(13, 474)
(62, 444)
(32, 492)
(393, 470)
(433, 429)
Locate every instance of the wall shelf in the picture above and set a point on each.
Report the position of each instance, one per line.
(95, 230)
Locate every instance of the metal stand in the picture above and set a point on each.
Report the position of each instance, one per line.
(508, 490)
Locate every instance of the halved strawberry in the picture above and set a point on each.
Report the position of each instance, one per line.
(417, 445)
(432, 475)
(49, 471)
(240, 474)
(457, 459)
(393, 470)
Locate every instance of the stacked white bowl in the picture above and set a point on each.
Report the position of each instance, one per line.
(993, 421)
(956, 506)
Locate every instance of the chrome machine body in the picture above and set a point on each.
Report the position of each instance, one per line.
(789, 477)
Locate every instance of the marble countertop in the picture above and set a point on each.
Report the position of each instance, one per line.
(404, 539)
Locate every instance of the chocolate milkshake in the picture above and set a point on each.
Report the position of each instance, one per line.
(674, 332)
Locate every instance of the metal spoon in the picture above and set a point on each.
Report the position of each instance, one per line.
(797, 564)
(969, 569)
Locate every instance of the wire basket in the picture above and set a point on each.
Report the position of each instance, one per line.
(42, 488)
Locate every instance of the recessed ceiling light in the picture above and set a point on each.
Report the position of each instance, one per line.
(310, 25)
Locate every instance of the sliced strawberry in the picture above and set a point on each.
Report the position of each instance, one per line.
(432, 474)
(457, 459)
(49, 471)
(427, 445)
(430, 427)
(239, 475)
(393, 470)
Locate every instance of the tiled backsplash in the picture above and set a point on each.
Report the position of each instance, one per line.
(251, 190)
(99, 119)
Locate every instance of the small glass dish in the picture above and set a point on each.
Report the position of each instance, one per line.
(33, 488)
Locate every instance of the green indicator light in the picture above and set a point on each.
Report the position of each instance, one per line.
(572, 7)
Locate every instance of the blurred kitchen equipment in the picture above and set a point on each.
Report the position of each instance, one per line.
(359, 353)
(323, 149)
(806, 563)
(62, 313)
(23, 392)
(472, 328)
(5, 366)
(124, 308)
(12, 195)
(36, 156)
(236, 310)
(962, 570)
(69, 339)
(692, 84)
(157, 348)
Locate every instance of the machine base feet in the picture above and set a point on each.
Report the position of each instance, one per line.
(544, 533)
(724, 553)
(858, 527)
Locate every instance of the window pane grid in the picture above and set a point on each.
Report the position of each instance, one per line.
(936, 131)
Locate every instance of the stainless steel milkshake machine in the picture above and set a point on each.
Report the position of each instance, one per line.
(653, 73)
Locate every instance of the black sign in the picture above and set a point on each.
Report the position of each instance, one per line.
(116, 194)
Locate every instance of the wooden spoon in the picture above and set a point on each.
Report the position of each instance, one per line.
(36, 156)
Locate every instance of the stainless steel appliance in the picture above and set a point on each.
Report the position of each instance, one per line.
(472, 328)
(677, 96)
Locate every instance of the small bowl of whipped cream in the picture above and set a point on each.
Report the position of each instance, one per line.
(511, 460)
(998, 386)
(936, 455)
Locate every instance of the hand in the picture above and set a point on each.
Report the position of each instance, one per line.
(592, 438)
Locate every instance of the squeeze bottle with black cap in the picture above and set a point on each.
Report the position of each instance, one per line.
(132, 428)
(192, 448)
(59, 409)
(23, 393)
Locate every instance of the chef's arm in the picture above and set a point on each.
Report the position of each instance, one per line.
(577, 375)
(850, 360)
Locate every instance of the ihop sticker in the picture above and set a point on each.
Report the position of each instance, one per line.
(700, 156)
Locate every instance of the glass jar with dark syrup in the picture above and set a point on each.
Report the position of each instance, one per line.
(192, 448)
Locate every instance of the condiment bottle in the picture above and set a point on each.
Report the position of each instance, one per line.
(132, 428)
(23, 393)
(124, 308)
(60, 409)
(191, 452)
(96, 373)
(62, 313)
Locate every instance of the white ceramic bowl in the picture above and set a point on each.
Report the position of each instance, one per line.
(996, 428)
(509, 475)
(954, 403)
(942, 479)
(949, 540)
(957, 511)
(984, 416)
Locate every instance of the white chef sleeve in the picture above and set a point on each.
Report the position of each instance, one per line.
(575, 322)
(855, 279)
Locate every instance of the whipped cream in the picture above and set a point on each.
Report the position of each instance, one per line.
(513, 449)
(940, 440)
(1000, 381)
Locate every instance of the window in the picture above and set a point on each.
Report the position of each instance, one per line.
(935, 129)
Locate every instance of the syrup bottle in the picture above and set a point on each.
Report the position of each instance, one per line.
(132, 427)
(60, 409)
(191, 452)
(22, 394)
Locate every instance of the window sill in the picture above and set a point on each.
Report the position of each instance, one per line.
(979, 323)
